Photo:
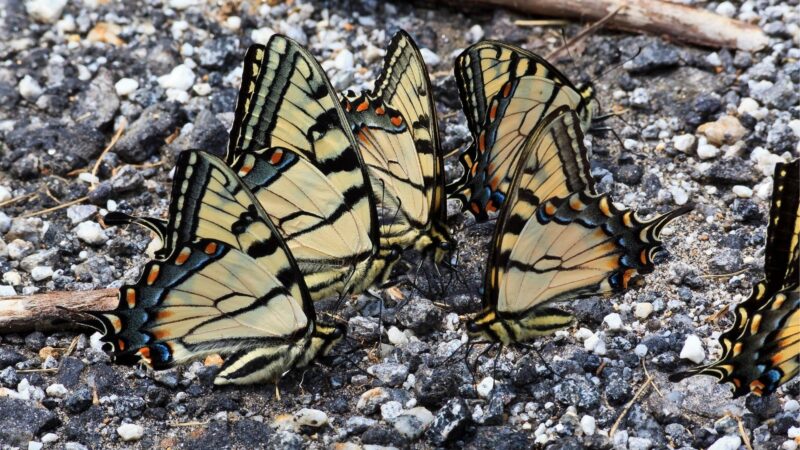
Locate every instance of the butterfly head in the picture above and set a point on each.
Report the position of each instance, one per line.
(437, 243)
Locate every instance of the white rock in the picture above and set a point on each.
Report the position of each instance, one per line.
(707, 151)
(793, 432)
(726, 443)
(430, 58)
(396, 337)
(747, 105)
(583, 334)
(182, 4)
(713, 59)
(5, 194)
(49, 438)
(311, 417)
(693, 349)
(643, 310)
(684, 143)
(742, 191)
(40, 273)
(91, 233)
(202, 89)
(130, 432)
(126, 86)
(390, 410)
(87, 177)
(181, 78)
(588, 425)
(641, 350)
(726, 9)
(29, 88)
(595, 344)
(261, 35)
(613, 321)
(475, 33)
(33, 445)
(679, 195)
(765, 160)
(789, 445)
(791, 406)
(413, 422)
(233, 23)
(485, 387)
(794, 124)
(177, 95)
(344, 60)
(7, 291)
(80, 213)
(48, 11)
(57, 391)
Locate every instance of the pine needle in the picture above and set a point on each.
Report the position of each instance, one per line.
(628, 406)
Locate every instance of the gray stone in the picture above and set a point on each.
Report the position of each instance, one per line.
(653, 57)
(146, 135)
(127, 179)
(420, 315)
(207, 134)
(99, 103)
(391, 374)
(22, 421)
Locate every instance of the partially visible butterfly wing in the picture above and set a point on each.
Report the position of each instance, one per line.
(253, 60)
(293, 106)
(405, 85)
(510, 91)
(761, 351)
(323, 232)
(562, 248)
(229, 285)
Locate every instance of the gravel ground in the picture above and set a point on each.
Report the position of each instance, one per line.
(695, 125)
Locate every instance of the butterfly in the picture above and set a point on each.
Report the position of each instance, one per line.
(761, 351)
(505, 91)
(225, 283)
(293, 148)
(397, 133)
(556, 239)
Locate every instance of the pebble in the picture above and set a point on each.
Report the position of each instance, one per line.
(485, 387)
(126, 86)
(588, 425)
(18, 249)
(57, 390)
(742, 191)
(430, 58)
(181, 78)
(641, 350)
(40, 273)
(475, 33)
(765, 161)
(391, 374)
(449, 422)
(791, 406)
(7, 291)
(684, 143)
(47, 11)
(693, 349)
(726, 9)
(5, 194)
(261, 35)
(344, 60)
(729, 442)
(391, 410)
(396, 337)
(412, 422)
(29, 88)
(182, 4)
(642, 310)
(613, 321)
(639, 443)
(130, 432)
(707, 151)
(595, 344)
(679, 195)
(311, 417)
(33, 445)
(747, 105)
(725, 130)
(91, 233)
(80, 213)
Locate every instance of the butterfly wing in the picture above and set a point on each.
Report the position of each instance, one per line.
(253, 60)
(229, 285)
(553, 243)
(506, 92)
(761, 351)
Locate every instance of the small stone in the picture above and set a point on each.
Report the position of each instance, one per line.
(127, 179)
(640, 350)
(182, 4)
(791, 406)
(261, 35)
(130, 432)
(485, 387)
(430, 58)
(57, 390)
(40, 273)
(729, 442)
(5, 194)
(685, 143)
(613, 321)
(49, 438)
(475, 33)
(7, 291)
(91, 233)
(33, 445)
(181, 77)
(595, 344)
(747, 105)
(18, 249)
(96, 107)
(344, 60)
(396, 337)
(707, 151)
(147, 133)
(391, 374)
(311, 418)
(450, 422)
(693, 349)
(725, 130)
(80, 213)
(411, 423)
(390, 410)
(726, 9)
(679, 195)
(126, 86)
(643, 310)
(47, 11)
(639, 443)
(29, 88)
(588, 425)
(742, 191)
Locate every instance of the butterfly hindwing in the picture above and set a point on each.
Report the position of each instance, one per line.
(506, 92)
(761, 350)
(228, 286)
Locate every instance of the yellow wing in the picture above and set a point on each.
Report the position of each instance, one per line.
(506, 91)
(553, 243)
(229, 285)
(761, 351)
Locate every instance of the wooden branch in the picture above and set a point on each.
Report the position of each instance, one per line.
(680, 22)
(47, 311)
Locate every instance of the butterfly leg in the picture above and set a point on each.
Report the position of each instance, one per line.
(544, 361)
(277, 390)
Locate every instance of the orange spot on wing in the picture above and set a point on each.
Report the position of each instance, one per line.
(549, 208)
(482, 142)
(121, 345)
(755, 324)
(494, 182)
(182, 256)
(144, 352)
(475, 208)
(737, 348)
(643, 256)
(626, 219)
(490, 206)
(493, 111)
(397, 121)
(245, 170)
(757, 387)
(474, 170)
(380, 111)
(211, 247)
(116, 323)
(604, 207)
(576, 204)
(164, 314)
(161, 334)
(130, 298)
(153, 275)
(626, 277)
(276, 157)
(507, 89)
(362, 106)
(362, 136)
(736, 382)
